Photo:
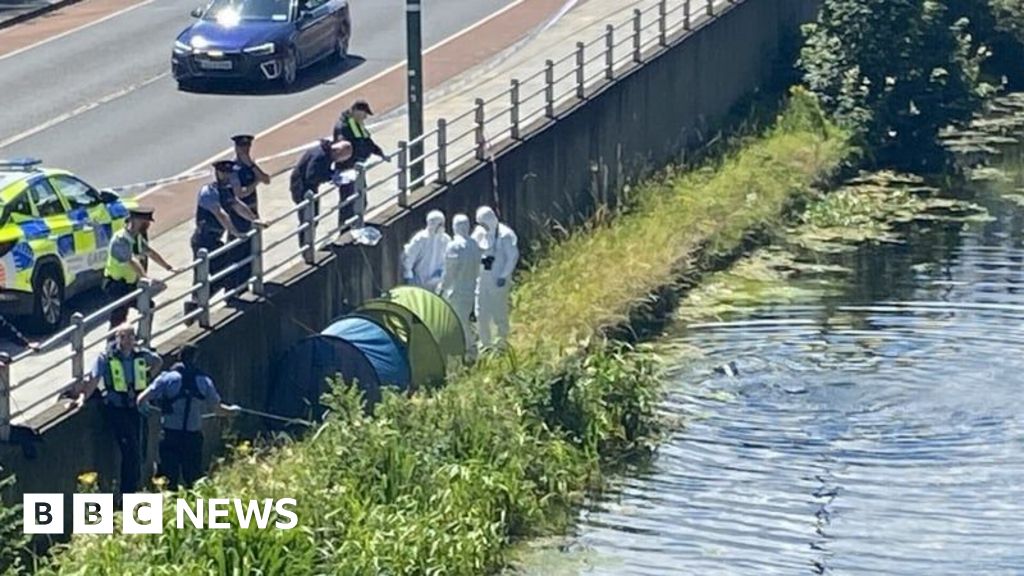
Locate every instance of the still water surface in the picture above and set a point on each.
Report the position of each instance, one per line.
(875, 428)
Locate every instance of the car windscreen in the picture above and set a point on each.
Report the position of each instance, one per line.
(229, 12)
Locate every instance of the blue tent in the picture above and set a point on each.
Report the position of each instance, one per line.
(384, 352)
(302, 373)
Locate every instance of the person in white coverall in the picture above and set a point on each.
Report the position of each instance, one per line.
(500, 254)
(461, 270)
(423, 259)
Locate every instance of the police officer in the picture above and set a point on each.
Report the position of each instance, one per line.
(351, 127)
(127, 260)
(124, 370)
(216, 202)
(316, 167)
(247, 174)
(183, 394)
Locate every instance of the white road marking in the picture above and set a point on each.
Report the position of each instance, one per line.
(73, 30)
(79, 111)
(346, 92)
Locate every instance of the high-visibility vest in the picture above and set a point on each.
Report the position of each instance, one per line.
(118, 382)
(357, 130)
(123, 271)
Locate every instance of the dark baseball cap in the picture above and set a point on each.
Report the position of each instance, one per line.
(362, 105)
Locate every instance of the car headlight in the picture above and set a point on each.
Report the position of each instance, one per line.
(261, 50)
(181, 48)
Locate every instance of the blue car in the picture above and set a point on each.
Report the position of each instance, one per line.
(265, 40)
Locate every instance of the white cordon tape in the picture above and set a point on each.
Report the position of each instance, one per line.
(204, 173)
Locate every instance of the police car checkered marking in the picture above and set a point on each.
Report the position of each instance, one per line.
(24, 256)
(34, 229)
(66, 245)
(103, 234)
(117, 210)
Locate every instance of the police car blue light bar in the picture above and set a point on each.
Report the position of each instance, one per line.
(24, 163)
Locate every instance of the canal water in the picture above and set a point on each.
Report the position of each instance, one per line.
(865, 417)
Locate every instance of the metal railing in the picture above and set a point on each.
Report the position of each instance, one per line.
(590, 66)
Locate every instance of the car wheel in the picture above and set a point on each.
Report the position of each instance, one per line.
(289, 68)
(48, 300)
(341, 45)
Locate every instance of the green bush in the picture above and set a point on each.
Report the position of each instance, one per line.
(12, 539)
(896, 72)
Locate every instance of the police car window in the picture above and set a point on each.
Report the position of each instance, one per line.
(20, 205)
(77, 193)
(45, 198)
(312, 4)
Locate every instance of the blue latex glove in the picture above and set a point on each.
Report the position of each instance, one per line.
(501, 282)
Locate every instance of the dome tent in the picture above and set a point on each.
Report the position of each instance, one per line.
(302, 374)
(381, 348)
(437, 315)
(425, 359)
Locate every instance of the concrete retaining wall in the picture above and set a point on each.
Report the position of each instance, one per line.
(558, 173)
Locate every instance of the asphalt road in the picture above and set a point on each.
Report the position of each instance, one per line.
(101, 101)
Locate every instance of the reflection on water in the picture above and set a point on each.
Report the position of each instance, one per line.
(874, 428)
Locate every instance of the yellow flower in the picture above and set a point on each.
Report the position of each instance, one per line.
(159, 482)
(244, 448)
(88, 478)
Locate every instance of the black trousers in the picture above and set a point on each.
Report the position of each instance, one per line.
(116, 289)
(126, 425)
(218, 263)
(181, 458)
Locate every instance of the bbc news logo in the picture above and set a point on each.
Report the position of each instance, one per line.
(144, 513)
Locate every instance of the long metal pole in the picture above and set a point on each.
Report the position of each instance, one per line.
(414, 57)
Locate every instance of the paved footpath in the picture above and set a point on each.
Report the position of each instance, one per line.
(551, 39)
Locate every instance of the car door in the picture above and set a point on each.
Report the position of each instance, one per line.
(86, 213)
(315, 29)
(50, 234)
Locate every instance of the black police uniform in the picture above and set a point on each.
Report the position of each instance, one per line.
(246, 177)
(209, 233)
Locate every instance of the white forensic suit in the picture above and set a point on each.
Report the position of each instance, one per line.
(423, 258)
(499, 246)
(461, 270)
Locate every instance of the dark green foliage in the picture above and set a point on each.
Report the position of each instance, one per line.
(896, 72)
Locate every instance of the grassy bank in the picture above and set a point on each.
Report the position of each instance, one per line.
(442, 484)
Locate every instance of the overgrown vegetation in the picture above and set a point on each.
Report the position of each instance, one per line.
(896, 72)
(12, 539)
(442, 484)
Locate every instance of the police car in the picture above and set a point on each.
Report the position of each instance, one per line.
(54, 232)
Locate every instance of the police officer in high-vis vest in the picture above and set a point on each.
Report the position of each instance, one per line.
(351, 127)
(122, 372)
(127, 260)
(183, 394)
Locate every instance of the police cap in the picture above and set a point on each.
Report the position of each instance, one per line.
(142, 213)
(224, 165)
(243, 139)
(362, 105)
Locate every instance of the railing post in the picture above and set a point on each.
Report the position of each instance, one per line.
(308, 237)
(204, 292)
(403, 174)
(256, 249)
(609, 52)
(514, 113)
(78, 347)
(360, 205)
(711, 7)
(686, 15)
(442, 151)
(637, 15)
(549, 89)
(144, 304)
(481, 140)
(5, 396)
(663, 22)
(580, 63)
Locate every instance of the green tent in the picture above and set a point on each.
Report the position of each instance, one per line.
(426, 363)
(437, 314)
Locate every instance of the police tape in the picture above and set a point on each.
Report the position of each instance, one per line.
(205, 172)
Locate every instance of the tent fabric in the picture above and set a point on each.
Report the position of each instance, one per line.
(425, 359)
(384, 351)
(438, 316)
(302, 372)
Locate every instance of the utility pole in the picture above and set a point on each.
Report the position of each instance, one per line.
(414, 81)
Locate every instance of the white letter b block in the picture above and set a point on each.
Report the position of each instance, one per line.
(93, 514)
(42, 513)
(143, 514)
